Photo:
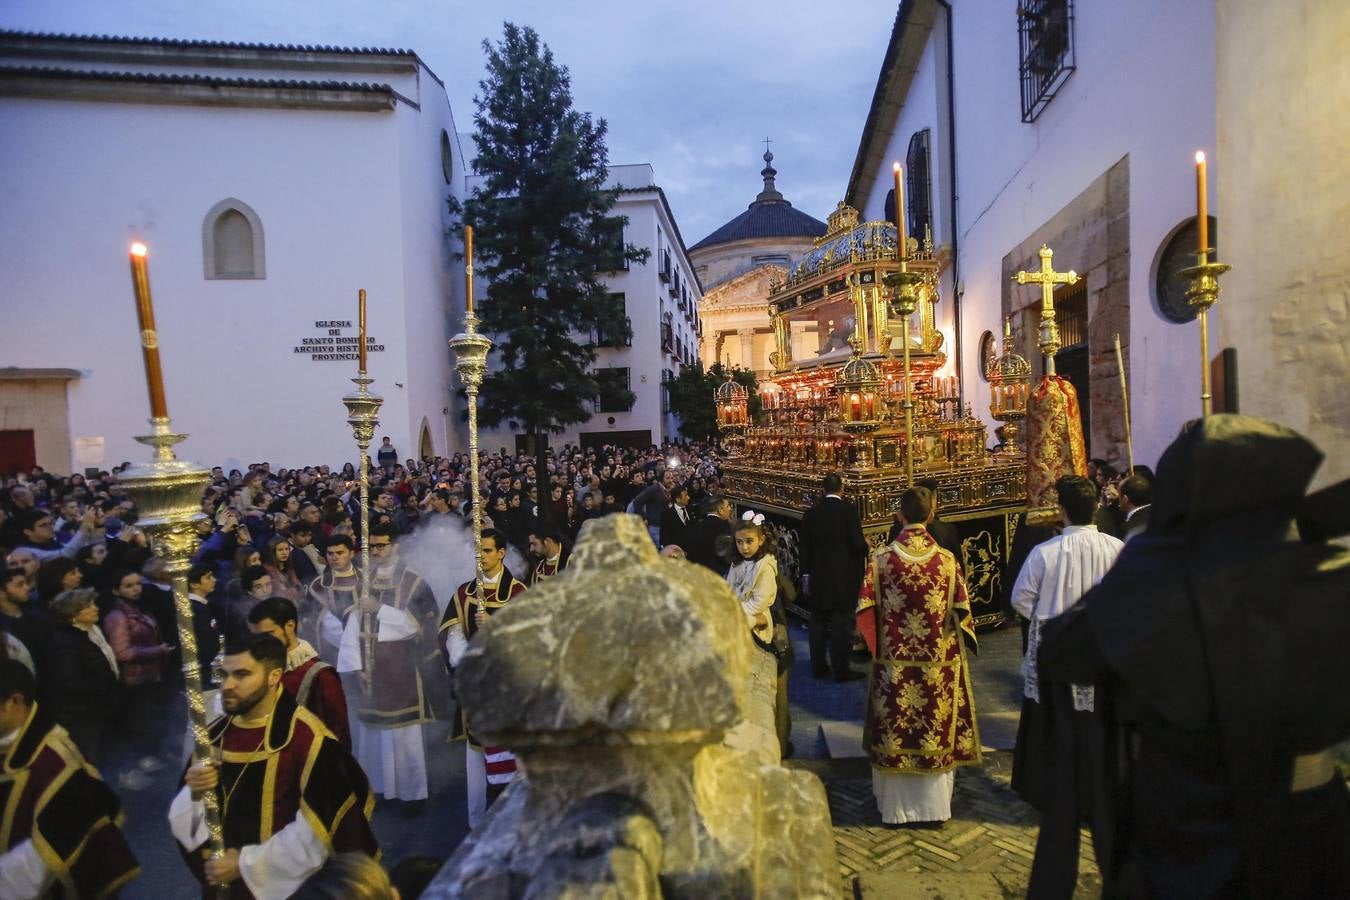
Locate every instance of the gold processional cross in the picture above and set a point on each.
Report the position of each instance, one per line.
(1047, 278)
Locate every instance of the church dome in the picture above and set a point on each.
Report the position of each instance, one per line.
(769, 216)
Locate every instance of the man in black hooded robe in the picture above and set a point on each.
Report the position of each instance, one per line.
(1220, 639)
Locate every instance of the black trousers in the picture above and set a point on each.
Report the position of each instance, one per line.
(831, 634)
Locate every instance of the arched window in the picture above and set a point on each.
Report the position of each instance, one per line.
(918, 197)
(232, 241)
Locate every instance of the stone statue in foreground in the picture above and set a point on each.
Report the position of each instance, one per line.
(624, 686)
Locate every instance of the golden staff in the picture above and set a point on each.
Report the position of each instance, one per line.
(363, 414)
(904, 300)
(167, 492)
(471, 350)
(1125, 397)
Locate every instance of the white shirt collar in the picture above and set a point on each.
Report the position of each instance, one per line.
(301, 654)
(1070, 529)
(1130, 515)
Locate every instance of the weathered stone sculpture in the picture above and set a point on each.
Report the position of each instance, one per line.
(622, 686)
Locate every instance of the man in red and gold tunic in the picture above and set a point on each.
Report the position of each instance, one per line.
(290, 794)
(488, 770)
(914, 614)
(311, 682)
(547, 545)
(59, 837)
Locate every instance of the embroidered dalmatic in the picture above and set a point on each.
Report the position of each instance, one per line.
(290, 796)
(60, 834)
(913, 612)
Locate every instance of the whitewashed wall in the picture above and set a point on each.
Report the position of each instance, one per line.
(346, 200)
(1144, 86)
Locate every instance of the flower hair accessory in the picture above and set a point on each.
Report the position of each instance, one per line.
(752, 517)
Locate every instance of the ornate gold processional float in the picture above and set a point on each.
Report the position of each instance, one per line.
(855, 391)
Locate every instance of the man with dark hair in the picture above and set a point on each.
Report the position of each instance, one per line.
(312, 682)
(833, 555)
(942, 532)
(710, 538)
(302, 539)
(61, 835)
(39, 533)
(26, 622)
(546, 543)
(1058, 732)
(331, 596)
(914, 615)
(291, 794)
(676, 519)
(488, 770)
(1136, 498)
(386, 639)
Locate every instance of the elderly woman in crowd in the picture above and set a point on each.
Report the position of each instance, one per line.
(83, 686)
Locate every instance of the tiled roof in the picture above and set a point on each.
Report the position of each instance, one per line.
(765, 218)
(183, 44)
(194, 80)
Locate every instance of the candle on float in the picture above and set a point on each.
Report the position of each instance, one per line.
(468, 267)
(361, 329)
(901, 237)
(1201, 202)
(145, 316)
(855, 403)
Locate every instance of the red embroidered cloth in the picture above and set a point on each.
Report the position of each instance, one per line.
(1055, 445)
(913, 612)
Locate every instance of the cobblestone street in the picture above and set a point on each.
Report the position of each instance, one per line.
(985, 851)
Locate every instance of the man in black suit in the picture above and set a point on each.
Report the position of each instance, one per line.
(1136, 501)
(943, 532)
(676, 519)
(833, 555)
(705, 534)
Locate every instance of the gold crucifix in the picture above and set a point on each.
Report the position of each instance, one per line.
(1047, 278)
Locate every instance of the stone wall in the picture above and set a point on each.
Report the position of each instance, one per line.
(1090, 236)
(1284, 139)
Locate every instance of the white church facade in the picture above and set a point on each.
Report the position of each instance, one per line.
(270, 184)
(1067, 124)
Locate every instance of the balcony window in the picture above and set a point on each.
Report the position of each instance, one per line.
(611, 255)
(918, 191)
(1045, 36)
(614, 395)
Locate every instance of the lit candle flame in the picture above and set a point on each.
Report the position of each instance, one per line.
(139, 249)
(1199, 157)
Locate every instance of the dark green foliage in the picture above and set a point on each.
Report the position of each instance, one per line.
(542, 228)
(691, 398)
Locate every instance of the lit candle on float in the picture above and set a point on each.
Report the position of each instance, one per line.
(855, 405)
(468, 268)
(901, 237)
(145, 317)
(1201, 202)
(361, 327)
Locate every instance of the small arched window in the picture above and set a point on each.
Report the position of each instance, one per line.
(232, 241)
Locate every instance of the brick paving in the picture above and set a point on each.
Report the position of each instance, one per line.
(985, 850)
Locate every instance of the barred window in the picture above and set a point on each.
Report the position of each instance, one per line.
(1046, 59)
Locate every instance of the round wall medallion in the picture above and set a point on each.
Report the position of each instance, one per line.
(1169, 287)
(988, 353)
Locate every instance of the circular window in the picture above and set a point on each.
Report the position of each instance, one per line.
(447, 158)
(1169, 286)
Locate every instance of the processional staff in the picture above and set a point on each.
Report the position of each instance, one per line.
(167, 492)
(363, 414)
(471, 350)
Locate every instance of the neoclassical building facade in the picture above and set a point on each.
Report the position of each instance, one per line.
(736, 264)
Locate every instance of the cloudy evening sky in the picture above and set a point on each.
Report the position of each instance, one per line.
(692, 87)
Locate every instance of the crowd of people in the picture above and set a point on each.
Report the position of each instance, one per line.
(1140, 625)
(302, 651)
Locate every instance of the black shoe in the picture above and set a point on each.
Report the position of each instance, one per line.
(850, 675)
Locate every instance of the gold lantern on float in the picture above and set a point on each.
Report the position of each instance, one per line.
(733, 404)
(1009, 383)
(858, 389)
